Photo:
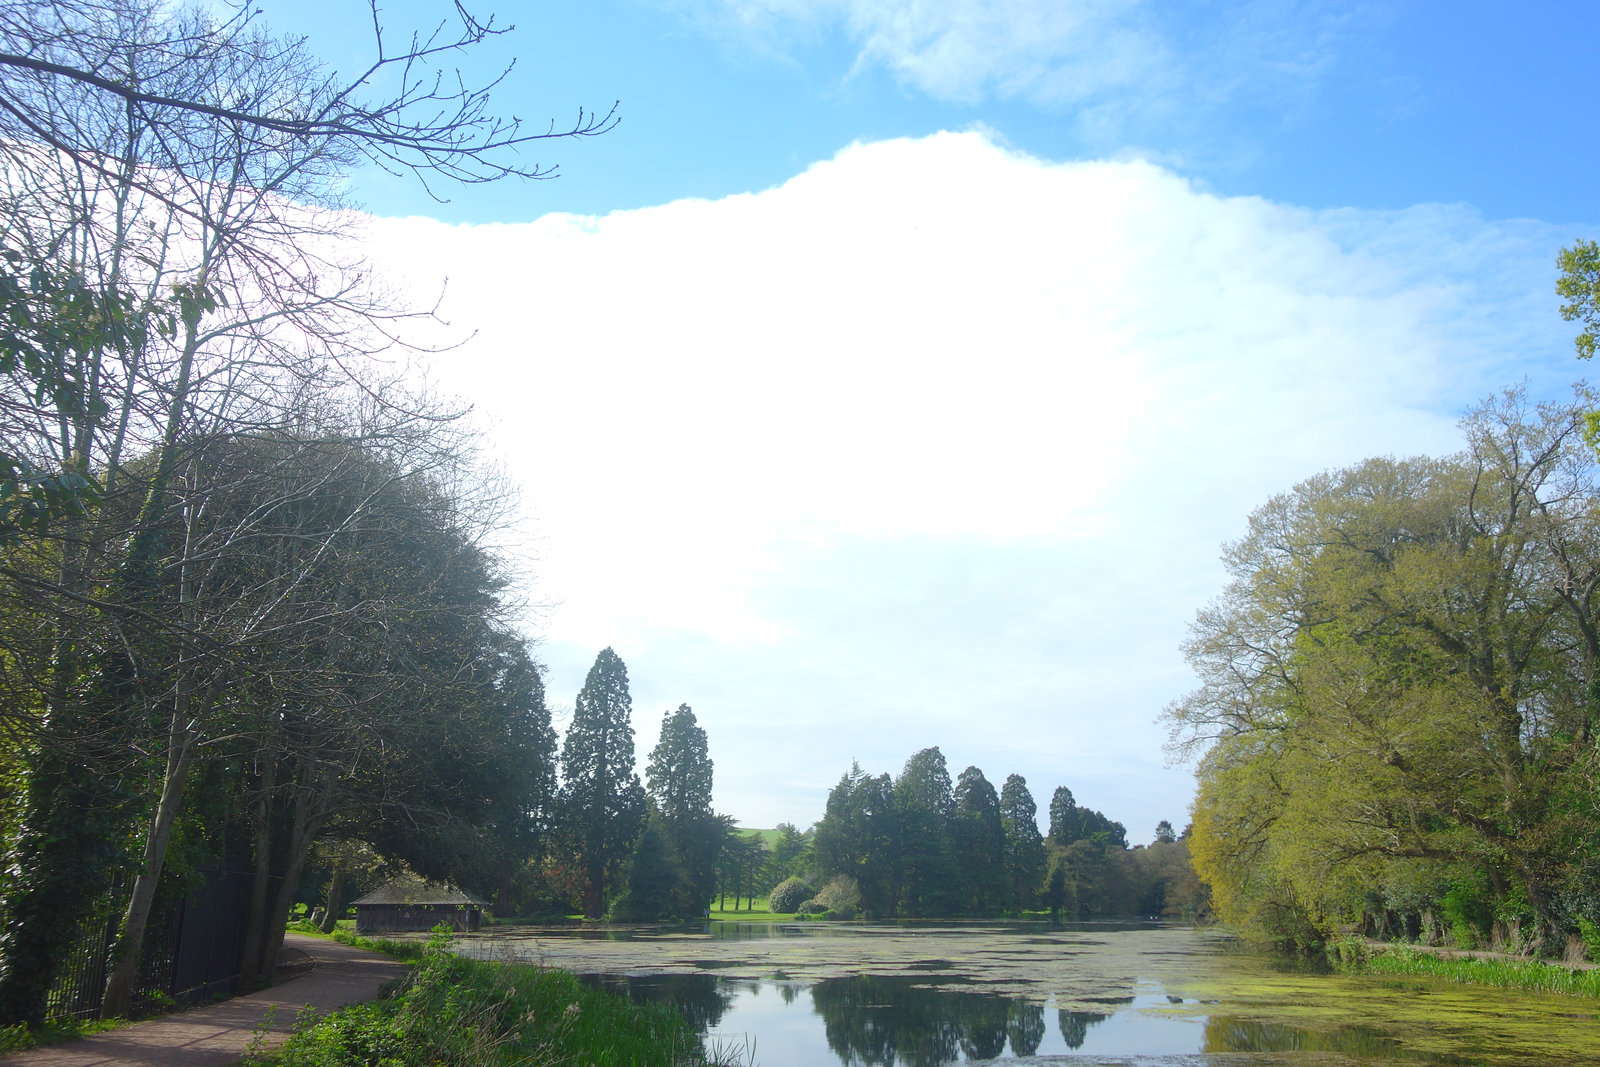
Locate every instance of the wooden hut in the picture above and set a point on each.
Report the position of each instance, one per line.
(410, 904)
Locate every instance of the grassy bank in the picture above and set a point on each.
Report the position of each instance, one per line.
(757, 913)
(471, 1013)
(1357, 957)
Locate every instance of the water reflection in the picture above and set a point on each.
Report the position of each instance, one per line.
(881, 1019)
(910, 1021)
(1075, 1026)
(702, 998)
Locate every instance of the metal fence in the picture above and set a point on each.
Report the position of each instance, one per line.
(191, 949)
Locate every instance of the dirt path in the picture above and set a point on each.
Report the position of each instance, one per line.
(219, 1034)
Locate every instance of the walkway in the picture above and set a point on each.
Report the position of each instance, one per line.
(218, 1034)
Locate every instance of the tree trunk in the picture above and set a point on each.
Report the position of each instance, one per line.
(119, 983)
(255, 923)
(331, 909)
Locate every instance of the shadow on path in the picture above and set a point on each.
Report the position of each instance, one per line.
(218, 1034)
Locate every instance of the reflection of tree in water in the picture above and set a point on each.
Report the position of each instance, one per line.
(697, 996)
(1024, 1026)
(883, 1019)
(1075, 1025)
(1225, 1034)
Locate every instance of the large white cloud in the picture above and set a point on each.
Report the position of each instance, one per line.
(936, 443)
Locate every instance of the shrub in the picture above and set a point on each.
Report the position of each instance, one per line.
(788, 895)
(1590, 933)
(841, 896)
(809, 908)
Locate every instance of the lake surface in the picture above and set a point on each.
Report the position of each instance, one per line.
(924, 995)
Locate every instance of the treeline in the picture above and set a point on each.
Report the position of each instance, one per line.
(249, 596)
(1400, 696)
(920, 845)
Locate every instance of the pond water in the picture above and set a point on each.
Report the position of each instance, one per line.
(923, 995)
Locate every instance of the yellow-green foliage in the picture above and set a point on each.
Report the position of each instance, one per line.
(1396, 694)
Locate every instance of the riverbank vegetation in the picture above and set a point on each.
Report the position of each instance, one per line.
(1400, 692)
(1353, 955)
(474, 1013)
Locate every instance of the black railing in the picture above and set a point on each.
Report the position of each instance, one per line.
(191, 952)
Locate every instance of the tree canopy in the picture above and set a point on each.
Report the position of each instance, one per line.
(1399, 693)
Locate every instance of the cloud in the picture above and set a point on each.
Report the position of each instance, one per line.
(936, 443)
(1114, 60)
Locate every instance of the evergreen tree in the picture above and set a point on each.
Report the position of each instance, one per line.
(1024, 862)
(978, 838)
(1065, 821)
(923, 802)
(679, 777)
(604, 801)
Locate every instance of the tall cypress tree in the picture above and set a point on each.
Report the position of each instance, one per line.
(603, 798)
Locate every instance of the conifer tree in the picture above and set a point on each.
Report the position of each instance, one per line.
(604, 801)
(679, 777)
(1024, 847)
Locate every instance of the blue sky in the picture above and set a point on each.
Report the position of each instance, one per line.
(894, 372)
(1317, 104)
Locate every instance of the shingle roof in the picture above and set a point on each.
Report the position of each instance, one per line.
(416, 891)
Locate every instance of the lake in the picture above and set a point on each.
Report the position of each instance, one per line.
(926, 994)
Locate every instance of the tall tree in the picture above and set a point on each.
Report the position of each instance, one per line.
(1025, 855)
(923, 801)
(679, 776)
(603, 799)
(1065, 821)
(978, 840)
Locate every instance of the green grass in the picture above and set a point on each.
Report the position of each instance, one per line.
(474, 1013)
(1532, 975)
(769, 838)
(408, 951)
(756, 913)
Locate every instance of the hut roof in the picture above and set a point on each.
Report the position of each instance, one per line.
(416, 891)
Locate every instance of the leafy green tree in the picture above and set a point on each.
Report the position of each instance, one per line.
(1025, 853)
(1165, 834)
(679, 777)
(603, 799)
(1399, 685)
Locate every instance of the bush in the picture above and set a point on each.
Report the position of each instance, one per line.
(1590, 933)
(810, 907)
(788, 895)
(841, 896)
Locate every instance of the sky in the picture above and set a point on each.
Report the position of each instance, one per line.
(894, 372)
